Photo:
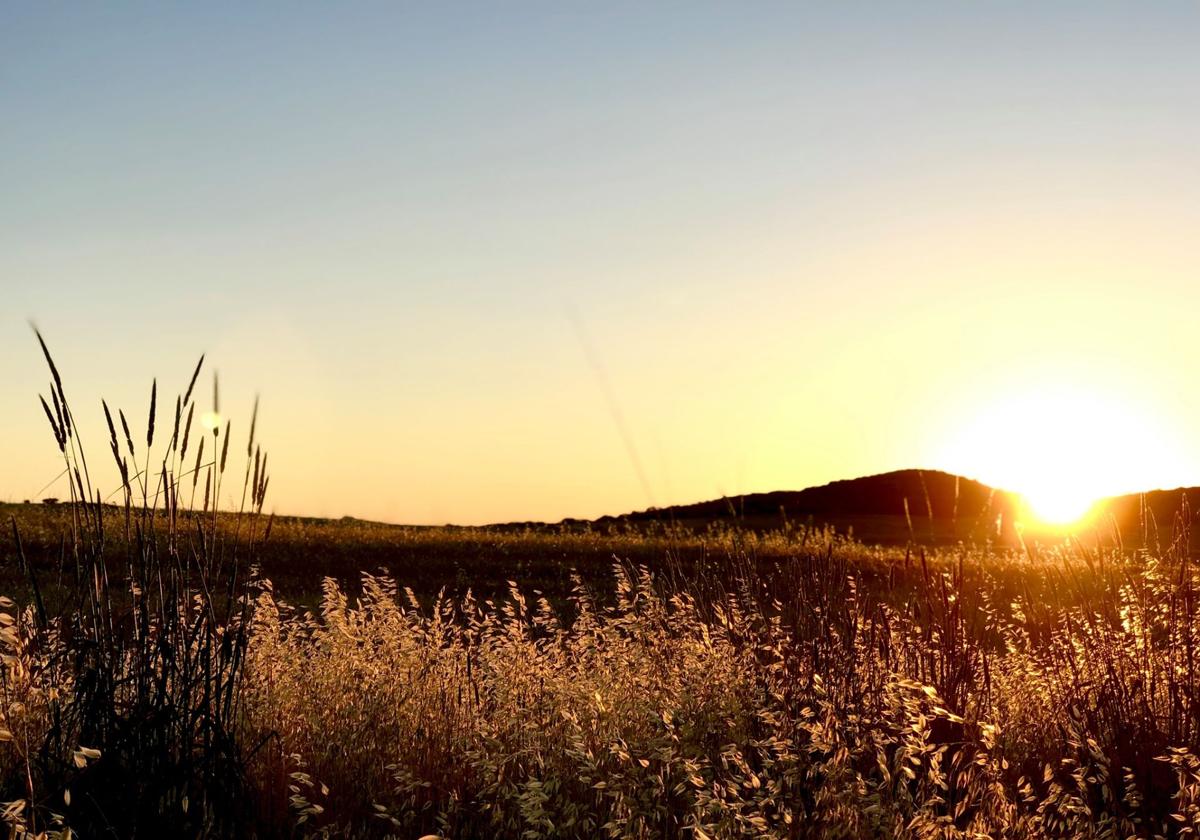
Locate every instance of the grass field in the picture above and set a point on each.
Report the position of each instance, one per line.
(729, 684)
(172, 670)
(301, 552)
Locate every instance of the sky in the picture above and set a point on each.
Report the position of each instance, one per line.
(527, 261)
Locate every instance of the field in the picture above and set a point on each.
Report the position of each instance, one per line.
(664, 685)
(172, 670)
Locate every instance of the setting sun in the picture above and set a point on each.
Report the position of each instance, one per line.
(1063, 446)
(1059, 505)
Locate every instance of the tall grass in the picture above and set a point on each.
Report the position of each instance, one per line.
(790, 685)
(123, 699)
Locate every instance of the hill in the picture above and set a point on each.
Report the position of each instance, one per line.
(926, 505)
(889, 508)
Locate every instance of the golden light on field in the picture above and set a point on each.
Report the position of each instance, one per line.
(1063, 446)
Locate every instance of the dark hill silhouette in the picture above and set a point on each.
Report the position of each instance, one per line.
(929, 494)
(1154, 518)
(941, 508)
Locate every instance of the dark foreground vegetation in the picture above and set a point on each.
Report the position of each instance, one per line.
(727, 684)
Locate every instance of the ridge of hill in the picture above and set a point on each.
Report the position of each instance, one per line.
(929, 494)
(896, 506)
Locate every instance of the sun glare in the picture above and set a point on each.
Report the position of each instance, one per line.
(1059, 505)
(1063, 447)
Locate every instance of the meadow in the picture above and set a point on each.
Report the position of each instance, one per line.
(172, 670)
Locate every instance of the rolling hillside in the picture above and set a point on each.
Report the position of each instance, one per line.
(928, 506)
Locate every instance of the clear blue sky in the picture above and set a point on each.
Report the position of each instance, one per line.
(802, 242)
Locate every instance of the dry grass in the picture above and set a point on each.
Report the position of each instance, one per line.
(792, 705)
